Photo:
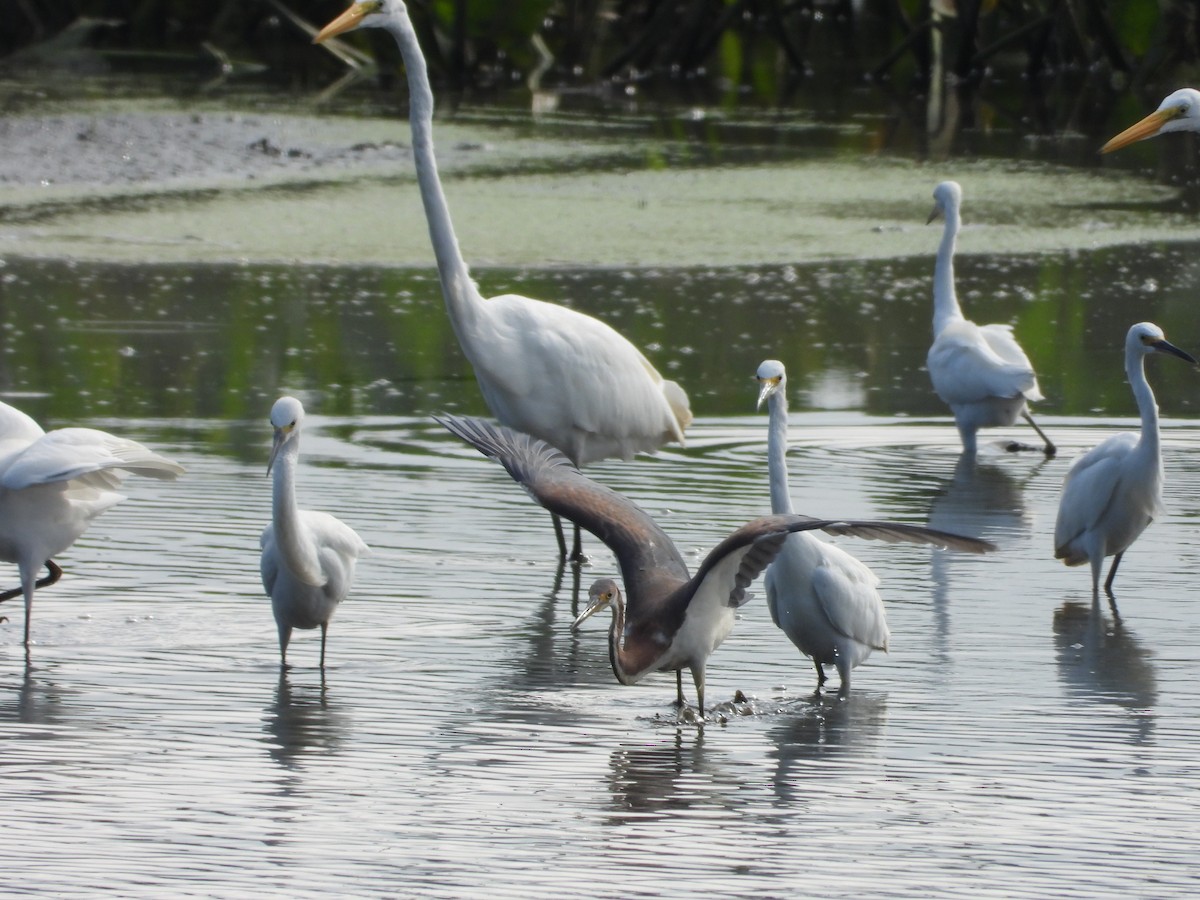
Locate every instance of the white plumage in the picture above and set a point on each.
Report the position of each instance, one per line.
(1179, 111)
(308, 558)
(545, 370)
(980, 372)
(1114, 491)
(51, 487)
(819, 595)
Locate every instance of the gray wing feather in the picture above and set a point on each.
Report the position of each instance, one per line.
(651, 566)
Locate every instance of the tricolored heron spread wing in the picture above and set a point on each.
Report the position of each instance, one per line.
(650, 564)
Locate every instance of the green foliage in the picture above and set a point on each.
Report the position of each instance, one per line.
(1137, 22)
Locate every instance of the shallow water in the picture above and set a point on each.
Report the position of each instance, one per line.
(1016, 741)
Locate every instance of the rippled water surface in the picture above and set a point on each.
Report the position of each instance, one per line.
(1016, 740)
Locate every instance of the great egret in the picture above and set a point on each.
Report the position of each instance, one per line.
(1114, 491)
(980, 372)
(543, 369)
(819, 595)
(1180, 111)
(308, 557)
(671, 620)
(51, 487)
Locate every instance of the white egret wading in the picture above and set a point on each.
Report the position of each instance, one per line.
(546, 370)
(819, 595)
(670, 620)
(308, 557)
(979, 371)
(1114, 491)
(51, 487)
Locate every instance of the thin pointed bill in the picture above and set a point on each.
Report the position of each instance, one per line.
(594, 608)
(768, 387)
(935, 213)
(1148, 127)
(1168, 347)
(347, 21)
(275, 445)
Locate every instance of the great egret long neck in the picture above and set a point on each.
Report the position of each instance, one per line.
(297, 551)
(777, 407)
(1135, 370)
(945, 301)
(452, 268)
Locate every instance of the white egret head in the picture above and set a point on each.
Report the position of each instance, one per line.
(286, 416)
(1180, 111)
(363, 14)
(771, 377)
(947, 195)
(1147, 338)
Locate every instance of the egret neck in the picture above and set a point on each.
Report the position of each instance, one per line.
(457, 288)
(293, 541)
(945, 302)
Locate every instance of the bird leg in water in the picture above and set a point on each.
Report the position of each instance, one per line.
(324, 629)
(577, 554)
(558, 533)
(679, 688)
(1049, 449)
(1112, 573)
(55, 574)
(821, 676)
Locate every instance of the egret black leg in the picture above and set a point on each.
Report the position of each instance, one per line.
(558, 533)
(1049, 448)
(55, 574)
(285, 636)
(679, 688)
(1112, 573)
(821, 676)
(324, 629)
(577, 554)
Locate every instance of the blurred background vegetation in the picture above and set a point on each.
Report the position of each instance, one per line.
(756, 50)
(1040, 80)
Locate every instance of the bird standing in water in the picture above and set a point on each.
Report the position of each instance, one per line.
(820, 596)
(52, 484)
(1114, 491)
(549, 371)
(670, 620)
(980, 372)
(308, 557)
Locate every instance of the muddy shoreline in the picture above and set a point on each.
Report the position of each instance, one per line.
(196, 185)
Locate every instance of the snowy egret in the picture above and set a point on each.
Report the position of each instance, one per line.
(980, 372)
(819, 595)
(1179, 111)
(543, 369)
(1114, 491)
(308, 557)
(671, 620)
(52, 484)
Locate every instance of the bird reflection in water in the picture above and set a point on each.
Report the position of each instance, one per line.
(660, 779)
(818, 731)
(302, 721)
(1100, 659)
(986, 499)
(35, 700)
(548, 655)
